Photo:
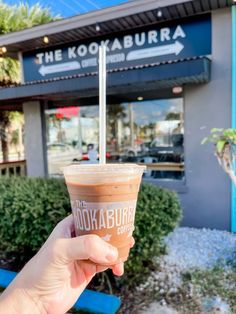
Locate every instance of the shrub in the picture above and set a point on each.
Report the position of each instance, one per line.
(31, 207)
(158, 213)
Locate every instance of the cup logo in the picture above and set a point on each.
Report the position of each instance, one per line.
(118, 216)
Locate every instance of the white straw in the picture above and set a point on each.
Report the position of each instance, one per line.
(102, 104)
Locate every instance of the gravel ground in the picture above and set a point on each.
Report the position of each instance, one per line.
(188, 248)
(156, 308)
(199, 248)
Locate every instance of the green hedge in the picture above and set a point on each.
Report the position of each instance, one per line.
(158, 213)
(31, 207)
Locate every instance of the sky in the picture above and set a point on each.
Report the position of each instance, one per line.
(66, 8)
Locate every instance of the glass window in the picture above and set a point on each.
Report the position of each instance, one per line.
(149, 132)
(70, 132)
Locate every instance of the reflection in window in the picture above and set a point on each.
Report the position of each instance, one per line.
(150, 132)
(72, 135)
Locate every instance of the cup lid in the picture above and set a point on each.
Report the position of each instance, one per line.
(129, 169)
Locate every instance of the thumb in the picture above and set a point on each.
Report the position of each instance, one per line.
(86, 247)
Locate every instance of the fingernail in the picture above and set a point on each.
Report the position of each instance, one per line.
(121, 269)
(112, 254)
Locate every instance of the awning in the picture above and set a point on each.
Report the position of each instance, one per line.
(152, 76)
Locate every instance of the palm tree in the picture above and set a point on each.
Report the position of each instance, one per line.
(9, 71)
(17, 17)
(14, 18)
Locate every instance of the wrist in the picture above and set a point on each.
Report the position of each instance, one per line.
(19, 301)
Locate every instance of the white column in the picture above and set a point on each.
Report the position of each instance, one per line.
(34, 139)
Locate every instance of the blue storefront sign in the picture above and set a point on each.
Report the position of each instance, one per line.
(163, 42)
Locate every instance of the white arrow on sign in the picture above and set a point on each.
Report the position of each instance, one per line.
(175, 48)
(61, 67)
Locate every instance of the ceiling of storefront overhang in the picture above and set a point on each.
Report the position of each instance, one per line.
(74, 99)
(131, 14)
(113, 99)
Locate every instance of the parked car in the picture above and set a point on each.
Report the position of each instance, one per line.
(61, 155)
(168, 149)
(139, 150)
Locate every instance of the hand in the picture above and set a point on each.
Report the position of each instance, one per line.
(55, 277)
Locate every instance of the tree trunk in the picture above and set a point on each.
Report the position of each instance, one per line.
(5, 152)
(226, 161)
(4, 122)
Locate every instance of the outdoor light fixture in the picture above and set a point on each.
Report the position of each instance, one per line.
(140, 98)
(98, 28)
(46, 39)
(3, 49)
(177, 90)
(159, 13)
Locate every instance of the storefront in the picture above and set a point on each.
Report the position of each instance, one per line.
(169, 82)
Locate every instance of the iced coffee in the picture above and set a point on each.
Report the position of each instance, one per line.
(103, 200)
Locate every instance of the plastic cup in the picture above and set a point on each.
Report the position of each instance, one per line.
(103, 201)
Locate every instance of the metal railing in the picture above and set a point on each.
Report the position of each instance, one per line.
(13, 168)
